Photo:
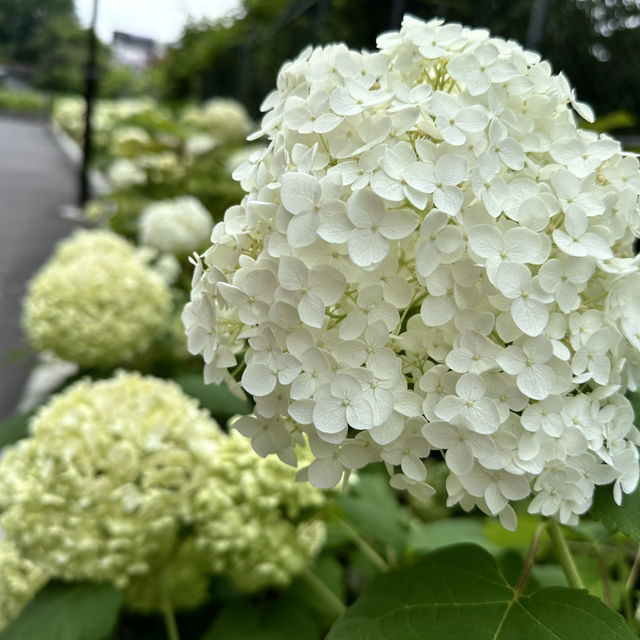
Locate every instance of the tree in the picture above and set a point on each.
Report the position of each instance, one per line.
(47, 37)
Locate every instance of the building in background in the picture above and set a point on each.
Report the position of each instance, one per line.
(135, 51)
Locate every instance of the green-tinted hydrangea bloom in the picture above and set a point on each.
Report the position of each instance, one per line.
(127, 480)
(182, 579)
(226, 120)
(20, 579)
(253, 518)
(97, 491)
(95, 302)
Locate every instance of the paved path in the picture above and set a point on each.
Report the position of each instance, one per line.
(36, 179)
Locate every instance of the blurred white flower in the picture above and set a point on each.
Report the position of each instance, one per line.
(179, 226)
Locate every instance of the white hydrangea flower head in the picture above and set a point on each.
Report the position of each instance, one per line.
(124, 173)
(179, 226)
(225, 119)
(20, 580)
(94, 302)
(162, 166)
(127, 480)
(431, 255)
(199, 144)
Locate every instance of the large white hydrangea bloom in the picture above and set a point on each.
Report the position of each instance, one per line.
(431, 255)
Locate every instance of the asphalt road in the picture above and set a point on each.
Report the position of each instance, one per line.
(36, 180)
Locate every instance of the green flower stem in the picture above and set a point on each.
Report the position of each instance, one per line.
(169, 618)
(629, 589)
(531, 557)
(331, 599)
(604, 577)
(564, 555)
(379, 562)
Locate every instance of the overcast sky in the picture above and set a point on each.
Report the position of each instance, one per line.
(159, 19)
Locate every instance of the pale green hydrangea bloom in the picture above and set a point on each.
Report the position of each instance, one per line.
(96, 491)
(225, 119)
(124, 173)
(20, 579)
(95, 302)
(130, 141)
(239, 513)
(126, 480)
(182, 579)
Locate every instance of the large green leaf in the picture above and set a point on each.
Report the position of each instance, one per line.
(64, 611)
(217, 398)
(282, 619)
(624, 517)
(457, 593)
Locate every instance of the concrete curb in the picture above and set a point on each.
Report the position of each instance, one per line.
(45, 378)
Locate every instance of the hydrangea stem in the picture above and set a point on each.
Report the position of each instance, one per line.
(531, 557)
(331, 599)
(376, 559)
(169, 618)
(564, 555)
(629, 589)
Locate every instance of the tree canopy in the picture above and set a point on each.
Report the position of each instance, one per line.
(46, 37)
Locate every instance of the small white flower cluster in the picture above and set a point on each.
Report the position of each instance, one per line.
(179, 226)
(432, 256)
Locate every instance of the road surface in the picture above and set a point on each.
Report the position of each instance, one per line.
(36, 181)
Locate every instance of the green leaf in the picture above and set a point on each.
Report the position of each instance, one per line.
(68, 611)
(442, 533)
(371, 508)
(282, 619)
(625, 517)
(611, 121)
(14, 428)
(216, 398)
(458, 593)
